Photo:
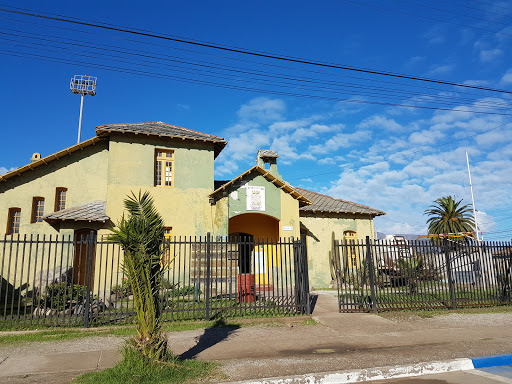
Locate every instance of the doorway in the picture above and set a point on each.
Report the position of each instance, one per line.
(85, 255)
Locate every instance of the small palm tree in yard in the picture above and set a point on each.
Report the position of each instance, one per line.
(449, 216)
(141, 236)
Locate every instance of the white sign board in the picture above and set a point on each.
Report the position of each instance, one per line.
(255, 198)
(287, 228)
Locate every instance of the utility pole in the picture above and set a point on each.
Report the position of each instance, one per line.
(83, 85)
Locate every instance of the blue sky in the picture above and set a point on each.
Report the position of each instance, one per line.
(391, 143)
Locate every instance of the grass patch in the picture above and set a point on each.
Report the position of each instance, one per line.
(134, 368)
(58, 334)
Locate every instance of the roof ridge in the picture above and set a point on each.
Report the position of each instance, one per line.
(161, 123)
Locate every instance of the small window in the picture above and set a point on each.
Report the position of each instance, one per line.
(37, 209)
(164, 168)
(13, 221)
(60, 198)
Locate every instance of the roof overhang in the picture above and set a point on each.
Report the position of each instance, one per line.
(218, 143)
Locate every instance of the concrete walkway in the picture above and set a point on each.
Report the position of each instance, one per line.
(283, 348)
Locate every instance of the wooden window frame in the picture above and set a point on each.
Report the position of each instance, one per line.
(160, 165)
(58, 191)
(37, 217)
(11, 229)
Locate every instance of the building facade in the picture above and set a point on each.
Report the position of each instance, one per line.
(82, 188)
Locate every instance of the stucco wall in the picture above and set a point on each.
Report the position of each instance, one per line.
(238, 197)
(185, 206)
(83, 173)
(319, 229)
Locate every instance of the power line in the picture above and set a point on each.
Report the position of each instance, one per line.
(456, 91)
(215, 46)
(301, 82)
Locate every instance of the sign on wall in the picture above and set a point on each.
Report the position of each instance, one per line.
(255, 198)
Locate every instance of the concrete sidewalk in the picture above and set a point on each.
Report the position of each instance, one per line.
(340, 342)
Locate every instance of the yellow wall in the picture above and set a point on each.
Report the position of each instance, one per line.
(83, 173)
(319, 228)
(289, 216)
(185, 206)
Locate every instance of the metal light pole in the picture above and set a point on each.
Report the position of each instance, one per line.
(83, 85)
(472, 199)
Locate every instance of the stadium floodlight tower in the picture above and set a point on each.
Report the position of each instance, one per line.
(83, 85)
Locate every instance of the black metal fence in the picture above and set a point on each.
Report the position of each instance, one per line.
(49, 281)
(383, 276)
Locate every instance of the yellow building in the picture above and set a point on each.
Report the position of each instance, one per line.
(81, 189)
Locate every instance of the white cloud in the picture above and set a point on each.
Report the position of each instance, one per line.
(490, 55)
(506, 79)
(435, 35)
(340, 140)
(5, 170)
(262, 109)
(485, 222)
(381, 122)
(426, 137)
(440, 69)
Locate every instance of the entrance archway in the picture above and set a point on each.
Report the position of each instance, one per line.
(262, 227)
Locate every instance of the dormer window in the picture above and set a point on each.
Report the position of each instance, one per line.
(164, 168)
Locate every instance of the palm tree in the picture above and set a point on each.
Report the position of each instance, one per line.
(449, 216)
(141, 236)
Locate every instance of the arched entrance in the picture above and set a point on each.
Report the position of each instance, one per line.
(262, 227)
(256, 235)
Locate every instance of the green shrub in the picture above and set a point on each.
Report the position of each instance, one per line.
(61, 296)
(122, 290)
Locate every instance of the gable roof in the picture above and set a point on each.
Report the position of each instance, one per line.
(324, 203)
(49, 158)
(92, 211)
(161, 129)
(303, 201)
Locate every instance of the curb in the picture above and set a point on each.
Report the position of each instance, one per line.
(382, 373)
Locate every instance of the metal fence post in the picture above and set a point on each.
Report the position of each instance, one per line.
(369, 260)
(306, 273)
(91, 243)
(449, 273)
(208, 272)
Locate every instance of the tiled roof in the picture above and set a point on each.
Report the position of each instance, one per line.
(267, 175)
(93, 211)
(267, 153)
(323, 203)
(161, 129)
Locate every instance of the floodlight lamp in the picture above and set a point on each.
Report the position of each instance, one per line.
(83, 85)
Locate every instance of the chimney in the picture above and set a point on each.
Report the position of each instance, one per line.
(266, 156)
(35, 157)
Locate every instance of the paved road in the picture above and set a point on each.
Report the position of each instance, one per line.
(493, 375)
(285, 348)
